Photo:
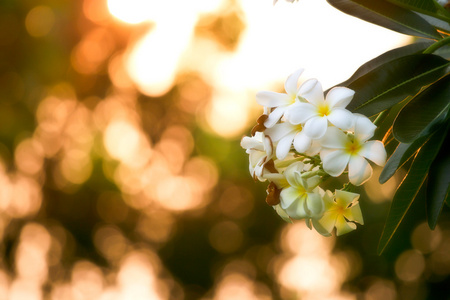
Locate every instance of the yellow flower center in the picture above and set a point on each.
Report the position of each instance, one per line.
(352, 147)
(292, 100)
(323, 110)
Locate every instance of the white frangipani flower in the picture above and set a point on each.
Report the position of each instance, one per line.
(342, 149)
(341, 210)
(302, 199)
(284, 134)
(317, 112)
(260, 151)
(280, 101)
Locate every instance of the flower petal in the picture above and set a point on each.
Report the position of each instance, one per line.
(312, 91)
(321, 229)
(354, 214)
(334, 163)
(339, 97)
(288, 196)
(290, 84)
(363, 128)
(314, 205)
(328, 220)
(272, 99)
(275, 116)
(359, 170)
(297, 209)
(302, 142)
(374, 150)
(314, 149)
(282, 213)
(278, 131)
(316, 127)
(341, 118)
(344, 198)
(284, 145)
(343, 227)
(334, 138)
(299, 113)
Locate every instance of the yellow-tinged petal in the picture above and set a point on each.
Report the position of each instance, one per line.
(354, 214)
(343, 227)
(328, 221)
(344, 198)
(282, 213)
(319, 228)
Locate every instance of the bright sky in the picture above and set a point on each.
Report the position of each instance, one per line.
(277, 40)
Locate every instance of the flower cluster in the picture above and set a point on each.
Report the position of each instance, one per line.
(302, 139)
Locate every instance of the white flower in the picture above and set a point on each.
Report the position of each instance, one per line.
(284, 134)
(340, 213)
(352, 149)
(316, 113)
(280, 101)
(302, 198)
(260, 151)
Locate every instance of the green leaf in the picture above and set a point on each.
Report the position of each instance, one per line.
(401, 155)
(409, 188)
(392, 82)
(415, 48)
(427, 7)
(387, 15)
(438, 189)
(425, 110)
(436, 23)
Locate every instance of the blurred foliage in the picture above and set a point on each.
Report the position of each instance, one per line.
(107, 193)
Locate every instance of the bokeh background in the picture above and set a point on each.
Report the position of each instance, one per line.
(121, 174)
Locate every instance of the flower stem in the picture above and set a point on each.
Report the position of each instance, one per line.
(309, 174)
(348, 187)
(437, 45)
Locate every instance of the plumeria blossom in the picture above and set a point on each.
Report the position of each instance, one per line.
(316, 112)
(286, 134)
(294, 128)
(343, 149)
(279, 102)
(260, 150)
(302, 198)
(340, 212)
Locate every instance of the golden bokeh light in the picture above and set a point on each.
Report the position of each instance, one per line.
(226, 237)
(87, 281)
(110, 241)
(128, 153)
(381, 289)
(39, 21)
(410, 265)
(426, 240)
(92, 51)
(238, 286)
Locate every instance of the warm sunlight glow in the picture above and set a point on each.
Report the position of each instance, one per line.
(130, 11)
(153, 60)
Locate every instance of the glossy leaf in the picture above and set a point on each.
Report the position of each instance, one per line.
(393, 81)
(423, 6)
(438, 189)
(386, 57)
(435, 22)
(388, 15)
(426, 109)
(409, 188)
(401, 155)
